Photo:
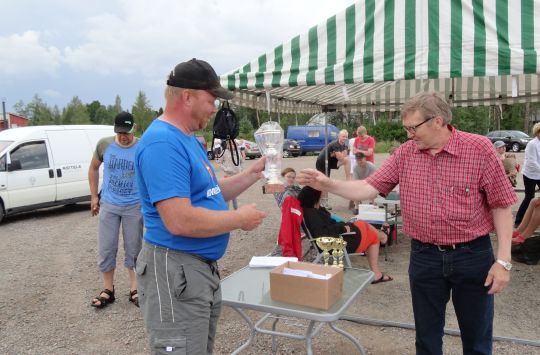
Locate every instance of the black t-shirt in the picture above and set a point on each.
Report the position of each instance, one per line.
(332, 147)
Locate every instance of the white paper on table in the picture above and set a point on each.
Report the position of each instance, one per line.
(305, 273)
(270, 261)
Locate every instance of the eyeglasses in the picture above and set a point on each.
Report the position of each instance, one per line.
(412, 129)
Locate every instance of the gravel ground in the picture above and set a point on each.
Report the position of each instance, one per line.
(49, 276)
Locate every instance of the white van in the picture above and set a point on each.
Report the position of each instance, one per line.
(44, 166)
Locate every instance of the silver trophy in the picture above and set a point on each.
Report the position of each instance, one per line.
(269, 137)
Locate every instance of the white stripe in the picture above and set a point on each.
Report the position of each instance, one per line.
(304, 58)
(359, 40)
(341, 39)
(157, 287)
(514, 37)
(467, 47)
(378, 42)
(321, 53)
(168, 285)
(422, 40)
(287, 61)
(492, 55)
(445, 34)
(399, 40)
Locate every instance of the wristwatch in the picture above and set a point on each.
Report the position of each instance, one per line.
(505, 264)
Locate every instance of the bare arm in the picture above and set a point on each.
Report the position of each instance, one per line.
(93, 180)
(498, 277)
(181, 218)
(233, 186)
(356, 190)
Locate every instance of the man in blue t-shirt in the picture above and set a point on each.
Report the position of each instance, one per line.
(117, 204)
(186, 217)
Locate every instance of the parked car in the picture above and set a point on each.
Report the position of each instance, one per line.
(252, 150)
(514, 140)
(291, 148)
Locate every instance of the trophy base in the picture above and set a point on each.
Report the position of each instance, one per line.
(273, 188)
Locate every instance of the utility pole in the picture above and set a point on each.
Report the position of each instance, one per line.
(4, 112)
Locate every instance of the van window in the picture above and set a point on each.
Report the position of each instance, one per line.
(3, 163)
(312, 134)
(32, 155)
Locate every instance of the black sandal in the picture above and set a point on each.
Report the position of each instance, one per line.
(102, 300)
(134, 297)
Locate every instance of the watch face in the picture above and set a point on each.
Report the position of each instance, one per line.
(505, 264)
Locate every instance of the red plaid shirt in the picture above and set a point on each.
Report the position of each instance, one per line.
(447, 198)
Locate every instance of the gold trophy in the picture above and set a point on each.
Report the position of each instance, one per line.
(326, 244)
(339, 245)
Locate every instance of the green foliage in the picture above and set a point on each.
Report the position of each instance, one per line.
(387, 131)
(75, 112)
(142, 112)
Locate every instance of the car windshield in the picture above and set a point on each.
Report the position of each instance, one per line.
(519, 134)
(4, 144)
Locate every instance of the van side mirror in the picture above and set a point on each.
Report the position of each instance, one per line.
(14, 165)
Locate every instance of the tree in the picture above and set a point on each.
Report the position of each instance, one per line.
(142, 112)
(75, 112)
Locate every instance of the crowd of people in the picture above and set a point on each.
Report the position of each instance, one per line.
(166, 179)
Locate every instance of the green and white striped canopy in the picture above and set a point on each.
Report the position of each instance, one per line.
(377, 53)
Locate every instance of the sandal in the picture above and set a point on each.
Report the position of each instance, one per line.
(103, 301)
(517, 238)
(134, 297)
(383, 278)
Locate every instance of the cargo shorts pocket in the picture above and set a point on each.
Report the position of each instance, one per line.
(140, 267)
(164, 343)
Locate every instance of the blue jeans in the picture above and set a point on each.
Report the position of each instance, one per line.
(434, 275)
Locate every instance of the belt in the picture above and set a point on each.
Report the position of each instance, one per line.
(449, 247)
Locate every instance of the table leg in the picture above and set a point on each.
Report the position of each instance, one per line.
(274, 345)
(349, 336)
(252, 331)
(309, 334)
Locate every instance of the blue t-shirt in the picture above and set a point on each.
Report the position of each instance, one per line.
(170, 164)
(119, 180)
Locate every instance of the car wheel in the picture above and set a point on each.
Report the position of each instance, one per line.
(211, 155)
(286, 154)
(1, 211)
(515, 147)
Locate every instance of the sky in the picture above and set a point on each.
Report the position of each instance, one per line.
(98, 49)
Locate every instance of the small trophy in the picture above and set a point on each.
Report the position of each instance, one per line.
(269, 137)
(326, 244)
(339, 245)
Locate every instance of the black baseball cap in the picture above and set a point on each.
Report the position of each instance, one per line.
(198, 74)
(123, 123)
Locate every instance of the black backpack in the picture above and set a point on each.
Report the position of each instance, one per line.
(227, 128)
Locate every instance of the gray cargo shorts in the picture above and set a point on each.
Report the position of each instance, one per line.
(180, 298)
(110, 219)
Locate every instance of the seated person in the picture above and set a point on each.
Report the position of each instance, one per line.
(365, 238)
(529, 223)
(291, 188)
(511, 166)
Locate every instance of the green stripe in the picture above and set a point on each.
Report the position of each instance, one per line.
(295, 61)
(243, 76)
(502, 37)
(389, 11)
(410, 38)
(330, 51)
(456, 50)
(527, 36)
(479, 38)
(433, 30)
(278, 66)
(231, 82)
(313, 53)
(259, 75)
(368, 44)
(350, 32)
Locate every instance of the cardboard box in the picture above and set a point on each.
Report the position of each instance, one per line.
(305, 291)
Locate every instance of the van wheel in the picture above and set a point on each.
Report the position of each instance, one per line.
(515, 147)
(2, 214)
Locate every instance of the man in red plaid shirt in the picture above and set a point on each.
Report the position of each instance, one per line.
(453, 192)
